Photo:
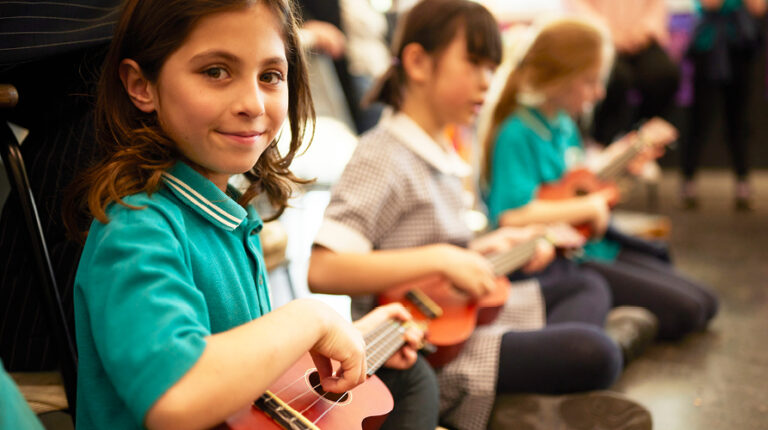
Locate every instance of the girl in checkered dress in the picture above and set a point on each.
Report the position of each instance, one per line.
(397, 214)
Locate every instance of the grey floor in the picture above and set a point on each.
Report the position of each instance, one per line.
(717, 380)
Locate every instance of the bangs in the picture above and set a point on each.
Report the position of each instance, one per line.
(483, 36)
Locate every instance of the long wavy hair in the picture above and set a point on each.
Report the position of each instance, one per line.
(133, 150)
(433, 24)
(561, 51)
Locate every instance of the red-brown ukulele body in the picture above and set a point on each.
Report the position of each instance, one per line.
(364, 407)
(577, 183)
(449, 331)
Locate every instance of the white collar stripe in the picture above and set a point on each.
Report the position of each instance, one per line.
(203, 207)
(205, 201)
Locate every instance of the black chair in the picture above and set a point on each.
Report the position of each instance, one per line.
(48, 289)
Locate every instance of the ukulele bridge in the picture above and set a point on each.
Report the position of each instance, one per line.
(284, 415)
(424, 304)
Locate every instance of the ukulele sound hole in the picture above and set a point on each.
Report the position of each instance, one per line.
(581, 192)
(314, 381)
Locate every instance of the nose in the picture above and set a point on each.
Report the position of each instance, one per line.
(486, 76)
(249, 99)
(599, 92)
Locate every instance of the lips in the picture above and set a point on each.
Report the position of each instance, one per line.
(244, 137)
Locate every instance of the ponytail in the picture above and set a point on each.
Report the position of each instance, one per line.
(560, 51)
(389, 88)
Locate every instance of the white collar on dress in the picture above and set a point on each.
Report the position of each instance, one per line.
(411, 135)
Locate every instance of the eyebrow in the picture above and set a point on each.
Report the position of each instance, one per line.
(272, 61)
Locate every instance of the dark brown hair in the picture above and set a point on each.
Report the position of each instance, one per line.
(433, 24)
(133, 150)
(561, 51)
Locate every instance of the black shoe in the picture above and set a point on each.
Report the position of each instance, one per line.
(633, 328)
(743, 192)
(690, 203)
(688, 196)
(603, 410)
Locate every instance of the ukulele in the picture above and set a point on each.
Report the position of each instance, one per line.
(297, 401)
(583, 181)
(453, 315)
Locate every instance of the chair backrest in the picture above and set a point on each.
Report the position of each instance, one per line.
(49, 290)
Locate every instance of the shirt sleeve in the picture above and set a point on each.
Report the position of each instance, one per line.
(514, 170)
(366, 202)
(148, 321)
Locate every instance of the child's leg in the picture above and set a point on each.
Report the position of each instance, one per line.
(416, 395)
(705, 295)
(574, 294)
(680, 305)
(562, 358)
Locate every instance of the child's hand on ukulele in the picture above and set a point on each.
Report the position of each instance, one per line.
(542, 256)
(502, 239)
(406, 356)
(601, 207)
(467, 270)
(654, 136)
(342, 342)
(563, 235)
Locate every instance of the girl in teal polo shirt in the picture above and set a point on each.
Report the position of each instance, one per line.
(533, 141)
(173, 316)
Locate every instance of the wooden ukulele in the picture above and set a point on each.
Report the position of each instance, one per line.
(583, 181)
(452, 314)
(296, 400)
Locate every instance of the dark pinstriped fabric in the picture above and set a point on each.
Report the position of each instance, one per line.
(55, 107)
(32, 30)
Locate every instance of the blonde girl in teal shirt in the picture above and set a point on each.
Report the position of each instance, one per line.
(533, 141)
(173, 317)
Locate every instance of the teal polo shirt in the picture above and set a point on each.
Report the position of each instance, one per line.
(14, 410)
(704, 38)
(152, 284)
(530, 150)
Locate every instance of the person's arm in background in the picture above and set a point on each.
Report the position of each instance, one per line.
(756, 7)
(711, 4)
(657, 21)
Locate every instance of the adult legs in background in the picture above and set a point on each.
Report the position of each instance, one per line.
(737, 123)
(416, 397)
(614, 114)
(649, 71)
(680, 304)
(657, 78)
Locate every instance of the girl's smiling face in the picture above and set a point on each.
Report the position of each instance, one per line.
(223, 95)
(580, 93)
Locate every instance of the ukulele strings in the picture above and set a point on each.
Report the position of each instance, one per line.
(382, 337)
(511, 259)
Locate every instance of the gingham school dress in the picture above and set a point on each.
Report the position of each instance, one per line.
(401, 189)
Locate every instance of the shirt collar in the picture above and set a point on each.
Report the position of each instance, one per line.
(412, 136)
(536, 121)
(205, 198)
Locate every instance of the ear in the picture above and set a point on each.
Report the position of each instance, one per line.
(417, 63)
(139, 89)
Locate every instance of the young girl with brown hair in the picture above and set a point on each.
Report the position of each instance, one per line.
(396, 214)
(173, 316)
(534, 141)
